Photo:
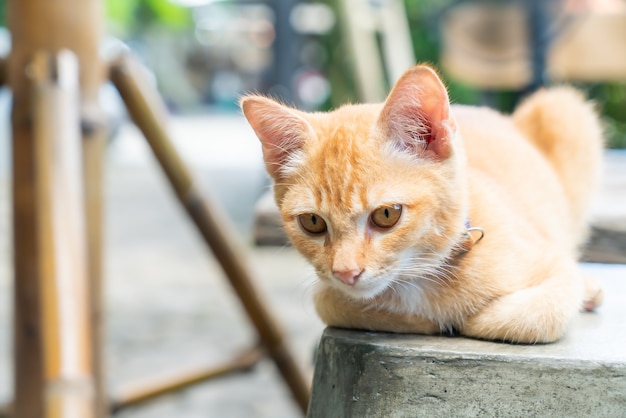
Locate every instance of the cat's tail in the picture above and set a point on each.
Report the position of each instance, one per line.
(567, 130)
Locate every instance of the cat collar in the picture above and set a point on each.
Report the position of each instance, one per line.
(472, 236)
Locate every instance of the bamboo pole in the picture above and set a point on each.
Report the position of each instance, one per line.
(152, 388)
(148, 112)
(61, 236)
(42, 25)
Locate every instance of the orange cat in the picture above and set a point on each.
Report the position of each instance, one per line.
(389, 202)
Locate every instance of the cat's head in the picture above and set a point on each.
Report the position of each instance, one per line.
(369, 194)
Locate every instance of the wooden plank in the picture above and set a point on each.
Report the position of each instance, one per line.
(590, 49)
(486, 45)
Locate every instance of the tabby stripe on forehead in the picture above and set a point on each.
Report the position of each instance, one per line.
(363, 196)
(343, 183)
(317, 195)
(339, 175)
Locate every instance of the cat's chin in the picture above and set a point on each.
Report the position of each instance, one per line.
(363, 291)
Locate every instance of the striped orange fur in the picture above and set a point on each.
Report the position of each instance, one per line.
(425, 168)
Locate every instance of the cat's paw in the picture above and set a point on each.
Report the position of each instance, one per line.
(339, 310)
(528, 316)
(593, 294)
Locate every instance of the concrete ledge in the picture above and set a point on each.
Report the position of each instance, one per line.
(365, 374)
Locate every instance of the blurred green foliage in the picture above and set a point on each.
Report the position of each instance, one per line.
(611, 101)
(133, 16)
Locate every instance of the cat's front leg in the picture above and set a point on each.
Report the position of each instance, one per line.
(339, 310)
(537, 314)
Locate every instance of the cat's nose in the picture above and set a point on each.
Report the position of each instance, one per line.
(349, 277)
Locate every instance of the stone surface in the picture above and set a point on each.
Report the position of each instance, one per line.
(268, 224)
(365, 374)
(607, 243)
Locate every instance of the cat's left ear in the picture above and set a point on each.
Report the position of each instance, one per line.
(416, 114)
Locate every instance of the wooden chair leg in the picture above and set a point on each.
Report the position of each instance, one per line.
(4, 409)
(38, 25)
(152, 388)
(27, 345)
(94, 138)
(28, 375)
(148, 112)
(61, 238)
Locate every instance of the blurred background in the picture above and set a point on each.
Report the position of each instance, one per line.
(204, 54)
(168, 307)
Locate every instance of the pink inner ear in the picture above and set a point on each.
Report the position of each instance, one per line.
(417, 114)
(280, 129)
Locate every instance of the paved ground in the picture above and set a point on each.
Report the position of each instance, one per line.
(168, 307)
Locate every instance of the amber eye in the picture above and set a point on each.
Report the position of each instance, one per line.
(386, 216)
(312, 223)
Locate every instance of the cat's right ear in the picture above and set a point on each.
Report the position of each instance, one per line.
(281, 130)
